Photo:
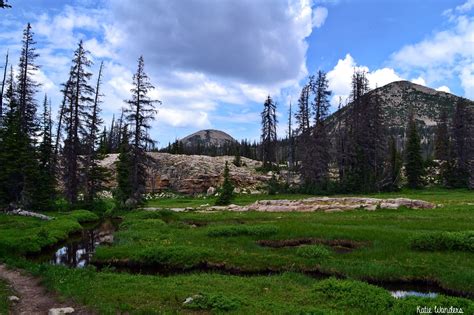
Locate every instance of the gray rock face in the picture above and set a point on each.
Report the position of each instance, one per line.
(193, 174)
(328, 204)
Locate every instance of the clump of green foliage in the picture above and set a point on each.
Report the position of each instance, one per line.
(22, 235)
(227, 190)
(349, 294)
(462, 241)
(174, 256)
(240, 230)
(165, 214)
(84, 216)
(313, 251)
(214, 302)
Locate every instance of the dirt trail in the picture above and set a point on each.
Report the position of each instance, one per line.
(34, 299)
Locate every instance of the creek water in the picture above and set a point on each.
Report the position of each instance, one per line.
(78, 249)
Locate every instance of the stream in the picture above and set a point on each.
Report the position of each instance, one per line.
(78, 249)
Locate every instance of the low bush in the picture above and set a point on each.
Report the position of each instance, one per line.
(241, 230)
(84, 216)
(174, 256)
(214, 302)
(350, 294)
(462, 241)
(164, 214)
(313, 251)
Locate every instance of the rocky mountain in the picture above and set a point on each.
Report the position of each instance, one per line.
(207, 138)
(397, 99)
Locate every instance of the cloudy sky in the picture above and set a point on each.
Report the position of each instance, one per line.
(213, 62)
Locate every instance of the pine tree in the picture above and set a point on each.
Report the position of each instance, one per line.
(26, 85)
(95, 174)
(80, 100)
(302, 115)
(359, 146)
(61, 117)
(443, 149)
(18, 171)
(139, 114)
(414, 168)
(5, 69)
(394, 166)
(269, 135)
(123, 170)
(45, 193)
(463, 132)
(316, 158)
(227, 189)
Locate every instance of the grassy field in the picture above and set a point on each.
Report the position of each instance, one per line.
(21, 235)
(236, 262)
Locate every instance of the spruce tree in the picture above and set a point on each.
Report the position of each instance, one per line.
(80, 100)
(123, 170)
(140, 112)
(463, 133)
(316, 158)
(45, 193)
(227, 190)
(26, 85)
(5, 70)
(395, 164)
(443, 149)
(269, 135)
(95, 174)
(19, 166)
(414, 166)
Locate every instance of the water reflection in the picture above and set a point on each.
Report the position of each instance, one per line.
(402, 294)
(78, 250)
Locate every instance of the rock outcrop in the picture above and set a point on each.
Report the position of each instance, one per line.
(195, 174)
(328, 204)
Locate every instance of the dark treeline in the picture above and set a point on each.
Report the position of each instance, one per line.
(361, 155)
(42, 162)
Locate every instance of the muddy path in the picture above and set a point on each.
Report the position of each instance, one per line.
(34, 298)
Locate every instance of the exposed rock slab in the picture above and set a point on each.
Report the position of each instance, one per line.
(328, 204)
(30, 214)
(325, 204)
(195, 174)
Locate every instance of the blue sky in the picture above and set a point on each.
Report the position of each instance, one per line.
(213, 62)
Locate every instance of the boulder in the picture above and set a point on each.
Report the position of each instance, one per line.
(211, 191)
(61, 311)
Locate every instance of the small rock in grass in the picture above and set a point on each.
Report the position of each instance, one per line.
(13, 298)
(61, 311)
(188, 300)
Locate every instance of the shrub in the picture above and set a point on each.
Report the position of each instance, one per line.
(215, 302)
(313, 251)
(165, 214)
(174, 256)
(227, 190)
(462, 241)
(239, 230)
(350, 294)
(84, 216)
